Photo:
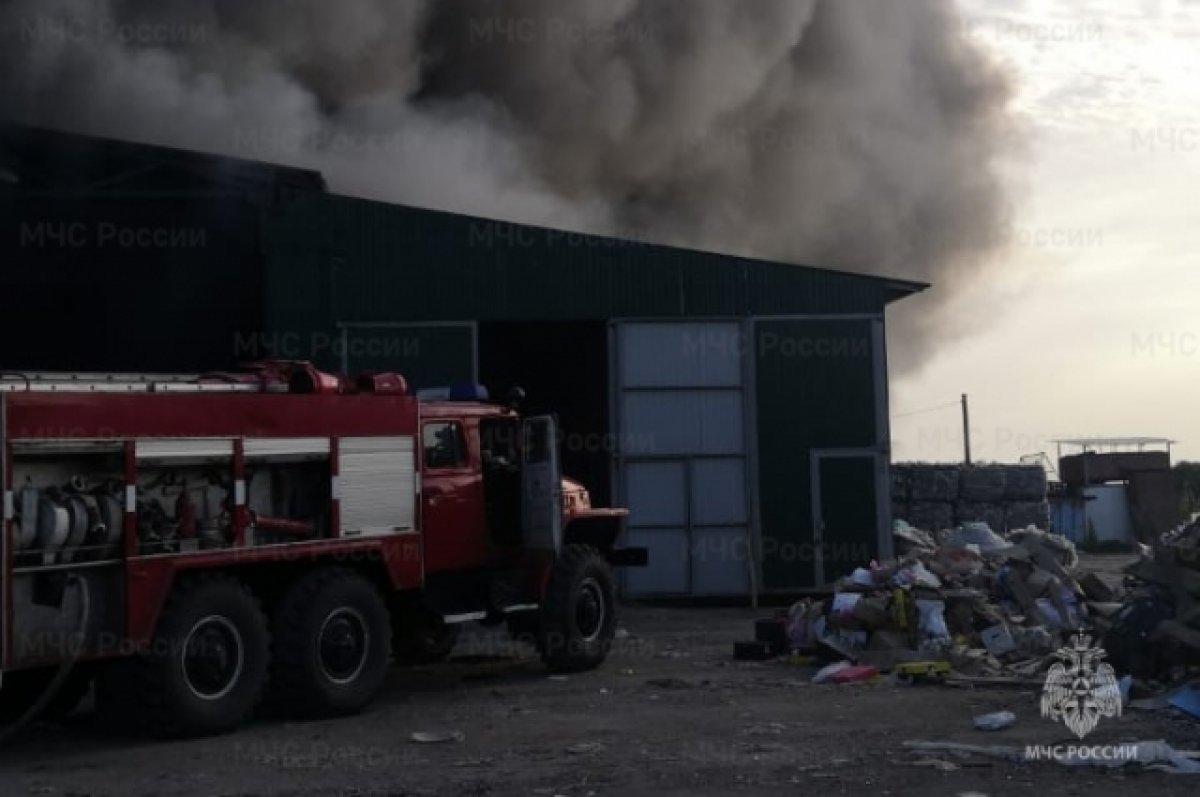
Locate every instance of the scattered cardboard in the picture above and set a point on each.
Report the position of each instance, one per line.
(998, 640)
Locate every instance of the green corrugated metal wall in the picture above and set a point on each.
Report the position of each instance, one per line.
(427, 355)
(815, 389)
(336, 259)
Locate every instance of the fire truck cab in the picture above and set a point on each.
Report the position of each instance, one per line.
(192, 545)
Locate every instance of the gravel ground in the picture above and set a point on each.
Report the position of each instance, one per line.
(669, 714)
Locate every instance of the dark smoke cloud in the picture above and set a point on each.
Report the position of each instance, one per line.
(855, 134)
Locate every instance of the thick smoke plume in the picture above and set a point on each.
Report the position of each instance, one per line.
(859, 135)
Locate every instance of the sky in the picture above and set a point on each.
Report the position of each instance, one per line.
(1088, 325)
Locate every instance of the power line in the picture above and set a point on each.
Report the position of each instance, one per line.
(929, 409)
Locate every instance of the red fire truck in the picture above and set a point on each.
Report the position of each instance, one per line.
(194, 544)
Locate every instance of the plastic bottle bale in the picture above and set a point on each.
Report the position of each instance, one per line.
(1025, 483)
(901, 483)
(1019, 514)
(932, 515)
(991, 514)
(935, 483)
(983, 483)
(918, 516)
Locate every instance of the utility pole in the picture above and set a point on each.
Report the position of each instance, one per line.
(966, 431)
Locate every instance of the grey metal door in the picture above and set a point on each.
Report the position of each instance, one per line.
(679, 411)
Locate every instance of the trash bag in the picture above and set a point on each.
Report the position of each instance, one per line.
(826, 673)
(979, 534)
(996, 721)
(916, 575)
(932, 623)
(1056, 619)
(908, 539)
(1049, 551)
(801, 630)
(842, 609)
(1126, 642)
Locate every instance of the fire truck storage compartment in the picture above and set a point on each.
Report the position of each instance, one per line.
(68, 523)
(288, 489)
(184, 495)
(377, 485)
(68, 502)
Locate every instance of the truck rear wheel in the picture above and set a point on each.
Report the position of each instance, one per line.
(579, 611)
(206, 667)
(331, 644)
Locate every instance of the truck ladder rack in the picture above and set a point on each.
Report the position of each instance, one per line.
(30, 382)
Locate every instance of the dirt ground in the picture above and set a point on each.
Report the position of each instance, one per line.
(669, 714)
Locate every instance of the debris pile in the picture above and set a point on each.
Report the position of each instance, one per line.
(1154, 634)
(990, 606)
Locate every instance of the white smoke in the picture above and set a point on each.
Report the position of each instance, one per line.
(859, 135)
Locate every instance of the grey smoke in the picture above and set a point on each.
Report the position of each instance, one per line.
(854, 134)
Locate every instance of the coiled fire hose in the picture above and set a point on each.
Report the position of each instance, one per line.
(64, 669)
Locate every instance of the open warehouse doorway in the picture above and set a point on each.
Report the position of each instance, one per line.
(563, 369)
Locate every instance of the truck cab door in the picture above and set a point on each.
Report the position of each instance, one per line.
(541, 485)
(451, 497)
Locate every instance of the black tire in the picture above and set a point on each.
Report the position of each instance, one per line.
(206, 668)
(579, 612)
(332, 644)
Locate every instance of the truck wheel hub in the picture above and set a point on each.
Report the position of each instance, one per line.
(590, 610)
(342, 648)
(213, 658)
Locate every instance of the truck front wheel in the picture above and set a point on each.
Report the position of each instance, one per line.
(331, 644)
(206, 667)
(579, 616)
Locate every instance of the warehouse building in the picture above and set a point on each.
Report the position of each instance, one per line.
(125, 257)
(737, 407)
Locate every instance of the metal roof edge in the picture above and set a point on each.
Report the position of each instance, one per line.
(896, 289)
(19, 134)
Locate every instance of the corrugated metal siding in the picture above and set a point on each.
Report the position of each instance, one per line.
(182, 297)
(427, 355)
(398, 263)
(809, 396)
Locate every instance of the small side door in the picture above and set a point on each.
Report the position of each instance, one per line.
(451, 498)
(850, 513)
(541, 485)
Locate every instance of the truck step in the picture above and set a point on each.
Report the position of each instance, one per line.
(464, 617)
